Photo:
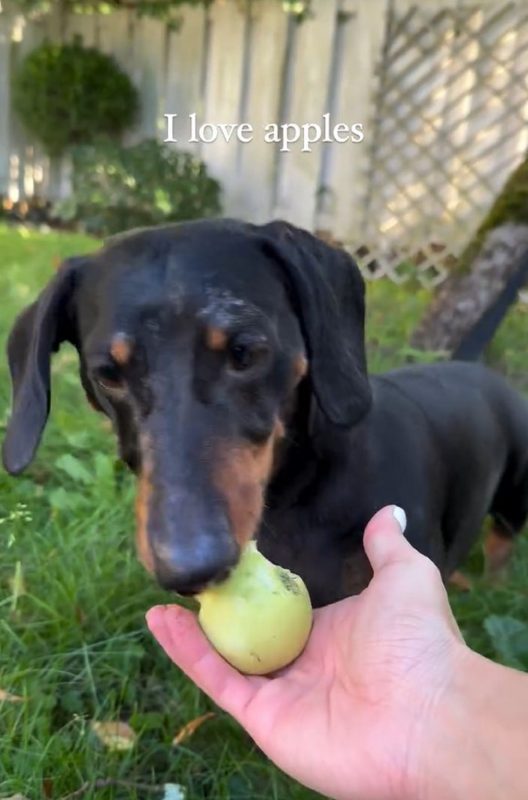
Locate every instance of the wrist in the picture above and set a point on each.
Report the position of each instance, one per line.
(476, 742)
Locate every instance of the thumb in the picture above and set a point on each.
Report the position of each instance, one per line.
(384, 541)
(178, 632)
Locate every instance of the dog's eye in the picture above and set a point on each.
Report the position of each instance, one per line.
(245, 354)
(240, 357)
(109, 380)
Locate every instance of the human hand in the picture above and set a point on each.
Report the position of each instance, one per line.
(352, 716)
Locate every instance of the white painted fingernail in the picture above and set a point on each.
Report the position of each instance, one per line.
(400, 516)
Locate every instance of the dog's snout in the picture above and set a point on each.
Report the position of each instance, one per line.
(189, 573)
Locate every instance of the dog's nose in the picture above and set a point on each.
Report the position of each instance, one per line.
(190, 573)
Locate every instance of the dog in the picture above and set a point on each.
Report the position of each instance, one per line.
(230, 358)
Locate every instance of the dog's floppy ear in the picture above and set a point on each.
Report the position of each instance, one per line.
(328, 295)
(37, 332)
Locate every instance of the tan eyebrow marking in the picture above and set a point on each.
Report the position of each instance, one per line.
(300, 367)
(121, 349)
(216, 338)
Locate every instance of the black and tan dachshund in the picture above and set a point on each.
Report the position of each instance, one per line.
(230, 358)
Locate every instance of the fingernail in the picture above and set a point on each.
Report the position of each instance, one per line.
(400, 516)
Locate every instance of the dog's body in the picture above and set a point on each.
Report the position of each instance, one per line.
(447, 442)
(230, 359)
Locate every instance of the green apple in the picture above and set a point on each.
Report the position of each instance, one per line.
(260, 618)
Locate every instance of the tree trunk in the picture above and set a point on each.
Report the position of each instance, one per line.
(483, 269)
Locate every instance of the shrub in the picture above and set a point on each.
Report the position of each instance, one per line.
(68, 95)
(115, 188)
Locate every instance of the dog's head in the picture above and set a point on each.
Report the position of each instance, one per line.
(194, 339)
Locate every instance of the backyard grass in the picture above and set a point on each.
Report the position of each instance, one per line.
(73, 642)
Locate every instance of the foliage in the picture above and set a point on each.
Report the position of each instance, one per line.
(510, 205)
(34, 210)
(159, 9)
(69, 95)
(116, 188)
(164, 10)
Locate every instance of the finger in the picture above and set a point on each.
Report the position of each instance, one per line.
(384, 541)
(178, 632)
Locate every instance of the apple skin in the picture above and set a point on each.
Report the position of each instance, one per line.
(260, 618)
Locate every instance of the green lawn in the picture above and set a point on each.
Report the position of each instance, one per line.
(73, 642)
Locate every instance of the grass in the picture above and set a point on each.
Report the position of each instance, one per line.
(73, 642)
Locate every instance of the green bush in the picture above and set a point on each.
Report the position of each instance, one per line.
(116, 188)
(69, 95)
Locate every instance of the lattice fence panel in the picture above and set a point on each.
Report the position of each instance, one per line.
(450, 124)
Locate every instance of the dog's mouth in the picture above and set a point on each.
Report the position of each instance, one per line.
(195, 589)
(195, 540)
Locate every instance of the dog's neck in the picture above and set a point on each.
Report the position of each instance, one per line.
(315, 459)
(310, 523)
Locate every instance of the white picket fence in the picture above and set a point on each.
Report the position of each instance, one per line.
(440, 87)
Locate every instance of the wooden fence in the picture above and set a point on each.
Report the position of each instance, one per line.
(440, 87)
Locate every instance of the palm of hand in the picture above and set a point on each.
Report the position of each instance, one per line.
(351, 716)
(360, 694)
